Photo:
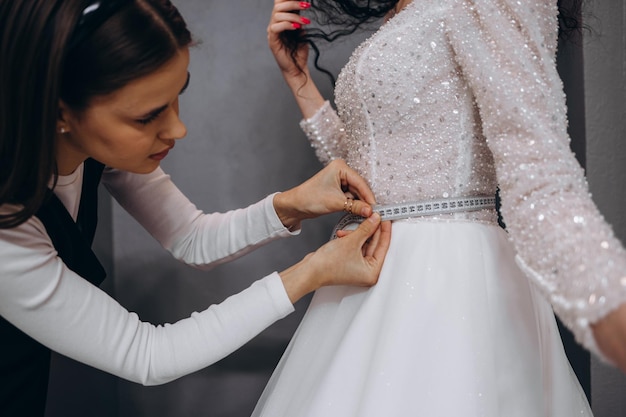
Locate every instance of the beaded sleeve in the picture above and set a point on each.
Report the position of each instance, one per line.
(506, 50)
(325, 132)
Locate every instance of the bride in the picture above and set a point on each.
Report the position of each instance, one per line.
(448, 101)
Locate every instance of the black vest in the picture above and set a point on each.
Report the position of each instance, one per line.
(25, 363)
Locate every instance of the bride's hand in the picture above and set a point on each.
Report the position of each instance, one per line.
(286, 17)
(610, 335)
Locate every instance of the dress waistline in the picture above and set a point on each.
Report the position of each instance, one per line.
(419, 209)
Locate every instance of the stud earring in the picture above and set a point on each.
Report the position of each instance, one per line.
(62, 130)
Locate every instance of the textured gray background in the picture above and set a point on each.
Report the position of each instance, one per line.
(244, 143)
(605, 110)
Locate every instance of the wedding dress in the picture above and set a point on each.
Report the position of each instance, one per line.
(448, 99)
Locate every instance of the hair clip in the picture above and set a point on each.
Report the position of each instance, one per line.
(92, 17)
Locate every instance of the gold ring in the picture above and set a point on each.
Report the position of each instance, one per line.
(348, 207)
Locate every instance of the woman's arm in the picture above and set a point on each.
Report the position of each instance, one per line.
(506, 50)
(286, 17)
(320, 124)
(49, 302)
(53, 305)
(205, 240)
(198, 239)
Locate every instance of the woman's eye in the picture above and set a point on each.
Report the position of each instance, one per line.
(149, 119)
(146, 120)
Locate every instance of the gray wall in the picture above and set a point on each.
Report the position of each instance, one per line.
(243, 144)
(605, 104)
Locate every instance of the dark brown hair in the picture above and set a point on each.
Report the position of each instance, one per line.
(347, 16)
(38, 69)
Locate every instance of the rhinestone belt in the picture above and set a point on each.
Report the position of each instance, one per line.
(418, 209)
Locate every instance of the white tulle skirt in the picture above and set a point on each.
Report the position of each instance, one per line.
(453, 328)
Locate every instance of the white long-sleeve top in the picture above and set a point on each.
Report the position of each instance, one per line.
(61, 310)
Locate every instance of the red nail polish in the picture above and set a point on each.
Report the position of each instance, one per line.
(296, 25)
(305, 20)
(305, 5)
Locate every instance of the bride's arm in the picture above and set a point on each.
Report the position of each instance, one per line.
(506, 50)
(321, 124)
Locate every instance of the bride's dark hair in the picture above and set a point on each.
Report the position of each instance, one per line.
(348, 16)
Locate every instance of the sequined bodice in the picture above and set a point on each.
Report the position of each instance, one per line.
(412, 128)
(454, 97)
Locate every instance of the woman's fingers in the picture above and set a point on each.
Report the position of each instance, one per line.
(285, 16)
(371, 243)
(374, 247)
(374, 237)
(378, 246)
(287, 21)
(358, 207)
(366, 229)
(352, 182)
(290, 6)
(357, 185)
(377, 235)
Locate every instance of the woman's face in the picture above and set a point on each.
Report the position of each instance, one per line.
(131, 129)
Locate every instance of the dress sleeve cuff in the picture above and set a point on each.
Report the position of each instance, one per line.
(573, 318)
(324, 130)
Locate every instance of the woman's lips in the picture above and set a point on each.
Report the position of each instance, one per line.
(159, 156)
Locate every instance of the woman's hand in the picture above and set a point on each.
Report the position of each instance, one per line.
(335, 188)
(355, 259)
(610, 335)
(286, 17)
